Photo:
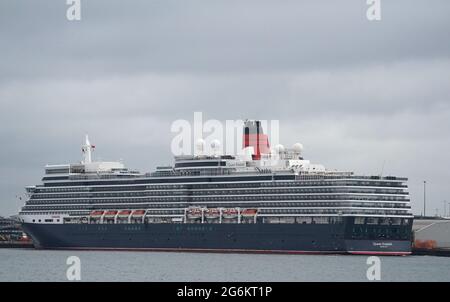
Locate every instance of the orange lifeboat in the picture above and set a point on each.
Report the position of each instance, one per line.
(212, 213)
(249, 212)
(137, 213)
(96, 213)
(124, 213)
(230, 213)
(194, 213)
(111, 213)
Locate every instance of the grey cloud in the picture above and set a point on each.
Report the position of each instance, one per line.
(215, 36)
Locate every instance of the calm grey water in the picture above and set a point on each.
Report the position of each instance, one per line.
(39, 265)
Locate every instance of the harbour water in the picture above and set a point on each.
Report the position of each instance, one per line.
(46, 265)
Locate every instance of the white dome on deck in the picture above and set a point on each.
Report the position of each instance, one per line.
(297, 147)
(279, 148)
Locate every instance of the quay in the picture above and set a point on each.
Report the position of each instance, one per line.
(431, 236)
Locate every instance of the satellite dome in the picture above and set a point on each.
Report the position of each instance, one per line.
(297, 147)
(279, 148)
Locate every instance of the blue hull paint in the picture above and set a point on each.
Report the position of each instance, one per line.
(289, 238)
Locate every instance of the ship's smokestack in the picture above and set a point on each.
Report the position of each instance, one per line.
(254, 137)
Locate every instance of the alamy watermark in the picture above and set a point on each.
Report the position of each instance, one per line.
(213, 137)
(73, 12)
(373, 272)
(73, 272)
(373, 12)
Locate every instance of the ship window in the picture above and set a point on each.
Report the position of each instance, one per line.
(359, 220)
(384, 221)
(396, 221)
(321, 220)
(372, 220)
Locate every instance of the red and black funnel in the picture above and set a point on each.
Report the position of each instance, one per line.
(254, 137)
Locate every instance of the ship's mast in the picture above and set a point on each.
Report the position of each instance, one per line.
(87, 151)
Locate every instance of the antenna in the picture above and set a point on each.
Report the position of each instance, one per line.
(87, 151)
(382, 168)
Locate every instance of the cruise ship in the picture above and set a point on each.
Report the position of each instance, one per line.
(265, 200)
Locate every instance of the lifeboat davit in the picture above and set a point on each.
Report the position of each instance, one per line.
(230, 213)
(249, 212)
(212, 213)
(194, 213)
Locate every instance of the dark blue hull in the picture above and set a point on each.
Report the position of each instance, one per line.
(264, 238)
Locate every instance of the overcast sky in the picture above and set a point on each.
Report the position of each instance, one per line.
(356, 93)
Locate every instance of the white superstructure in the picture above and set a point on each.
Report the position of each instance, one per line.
(273, 185)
